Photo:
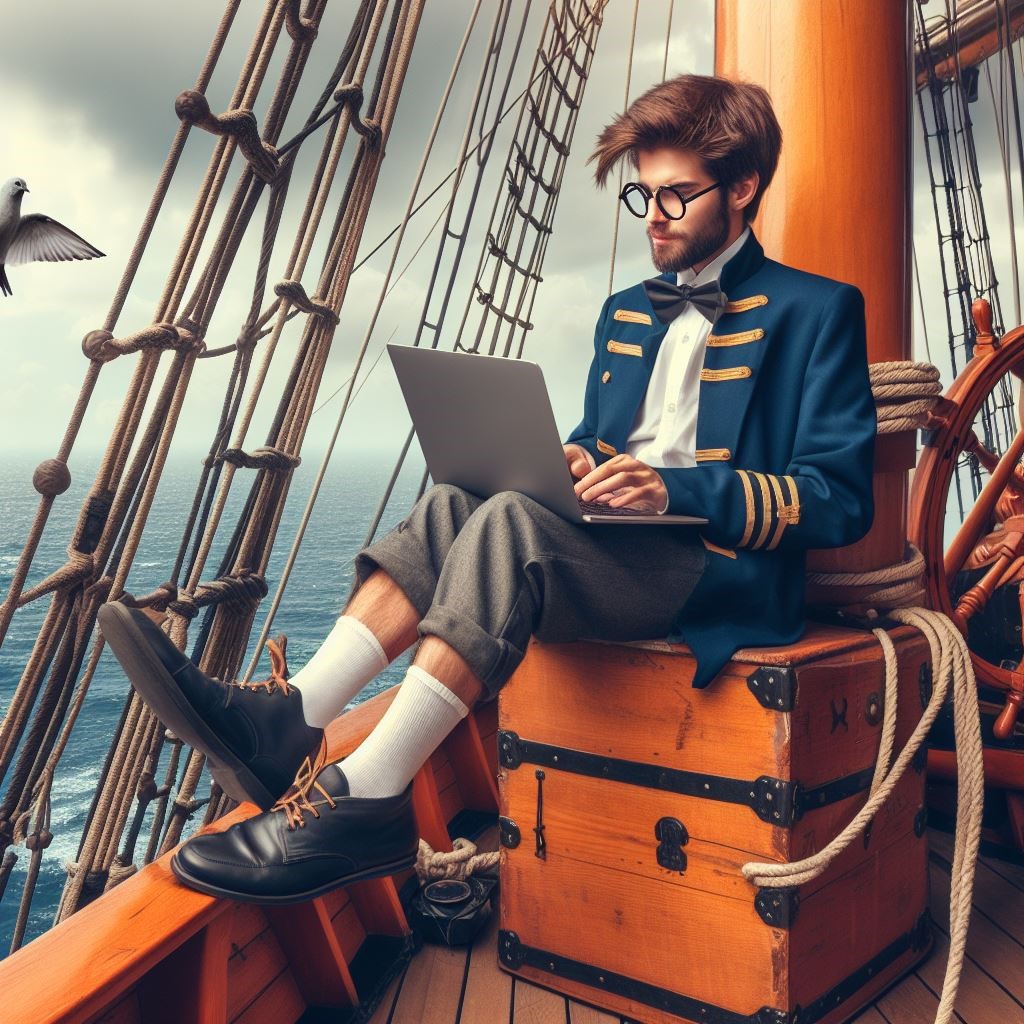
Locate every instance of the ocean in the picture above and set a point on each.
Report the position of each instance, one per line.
(314, 597)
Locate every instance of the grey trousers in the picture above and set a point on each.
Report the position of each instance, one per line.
(485, 575)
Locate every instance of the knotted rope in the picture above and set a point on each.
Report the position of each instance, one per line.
(193, 108)
(102, 346)
(461, 862)
(296, 295)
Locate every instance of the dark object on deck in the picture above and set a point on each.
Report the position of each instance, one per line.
(451, 912)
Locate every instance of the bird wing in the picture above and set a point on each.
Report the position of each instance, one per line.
(42, 238)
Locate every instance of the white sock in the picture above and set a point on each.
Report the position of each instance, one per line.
(412, 728)
(345, 662)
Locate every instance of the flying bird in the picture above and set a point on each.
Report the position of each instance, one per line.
(34, 236)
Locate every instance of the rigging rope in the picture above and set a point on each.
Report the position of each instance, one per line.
(117, 508)
(625, 105)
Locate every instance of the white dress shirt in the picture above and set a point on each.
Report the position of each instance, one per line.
(664, 432)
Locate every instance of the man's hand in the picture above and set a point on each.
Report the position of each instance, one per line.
(623, 480)
(577, 461)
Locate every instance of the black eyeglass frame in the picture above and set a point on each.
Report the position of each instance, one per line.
(656, 196)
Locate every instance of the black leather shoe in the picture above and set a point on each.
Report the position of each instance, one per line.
(309, 843)
(254, 735)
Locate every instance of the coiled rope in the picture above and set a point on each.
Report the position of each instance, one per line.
(460, 862)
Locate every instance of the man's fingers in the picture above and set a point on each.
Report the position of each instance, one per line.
(611, 483)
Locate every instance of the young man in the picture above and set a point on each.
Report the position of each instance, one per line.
(730, 387)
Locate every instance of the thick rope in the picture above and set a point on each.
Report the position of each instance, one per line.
(905, 392)
(893, 586)
(952, 673)
(461, 862)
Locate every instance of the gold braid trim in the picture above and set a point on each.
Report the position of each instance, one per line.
(728, 552)
(767, 521)
(723, 340)
(791, 512)
(625, 348)
(631, 316)
(731, 373)
(742, 305)
(780, 505)
(748, 494)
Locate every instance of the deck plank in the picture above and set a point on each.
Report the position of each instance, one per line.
(1001, 900)
(994, 951)
(535, 1005)
(488, 995)
(580, 1014)
(433, 983)
(910, 1002)
(870, 1016)
(979, 1000)
(1013, 873)
(383, 1012)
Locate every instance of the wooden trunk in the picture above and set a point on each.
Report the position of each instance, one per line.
(630, 801)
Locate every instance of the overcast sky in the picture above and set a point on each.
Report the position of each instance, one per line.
(88, 118)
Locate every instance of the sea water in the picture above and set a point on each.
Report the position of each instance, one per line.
(315, 595)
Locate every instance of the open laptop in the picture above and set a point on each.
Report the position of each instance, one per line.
(485, 424)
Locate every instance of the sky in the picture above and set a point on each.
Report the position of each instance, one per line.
(88, 118)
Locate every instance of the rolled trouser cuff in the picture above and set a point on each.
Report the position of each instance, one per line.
(492, 660)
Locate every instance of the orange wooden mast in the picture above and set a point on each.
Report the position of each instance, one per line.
(839, 205)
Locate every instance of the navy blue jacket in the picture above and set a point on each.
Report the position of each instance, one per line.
(785, 441)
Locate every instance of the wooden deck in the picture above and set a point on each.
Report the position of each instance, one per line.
(442, 986)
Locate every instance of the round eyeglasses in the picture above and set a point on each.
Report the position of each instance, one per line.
(672, 203)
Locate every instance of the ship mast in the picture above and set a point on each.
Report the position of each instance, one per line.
(839, 205)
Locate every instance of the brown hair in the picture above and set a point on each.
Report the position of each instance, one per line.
(730, 125)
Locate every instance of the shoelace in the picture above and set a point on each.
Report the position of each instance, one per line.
(278, 673)
(295, 804)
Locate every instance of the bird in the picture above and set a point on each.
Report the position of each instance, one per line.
(34, 236)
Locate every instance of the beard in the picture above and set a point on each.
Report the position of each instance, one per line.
(684, 253)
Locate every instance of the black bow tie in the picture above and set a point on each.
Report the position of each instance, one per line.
(669, 300)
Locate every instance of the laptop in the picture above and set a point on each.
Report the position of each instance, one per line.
(485, 424)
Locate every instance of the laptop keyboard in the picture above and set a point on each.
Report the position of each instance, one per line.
(601, 509)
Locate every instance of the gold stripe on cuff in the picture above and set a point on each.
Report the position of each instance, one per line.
(748, 494)
(625, 349)
(791, 512)
(779, 504)
(604, 447)
(767, 521)
(742, 305)
(722, 340)
(631, 316)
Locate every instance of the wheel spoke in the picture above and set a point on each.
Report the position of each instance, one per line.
(980, 515)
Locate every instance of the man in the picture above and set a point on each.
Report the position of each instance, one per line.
(742, 396)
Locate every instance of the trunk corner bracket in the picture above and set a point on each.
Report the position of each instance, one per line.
(774, 687)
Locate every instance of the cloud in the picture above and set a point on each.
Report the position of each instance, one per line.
(68, 107)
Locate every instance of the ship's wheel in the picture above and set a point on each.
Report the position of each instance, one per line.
(988, 546)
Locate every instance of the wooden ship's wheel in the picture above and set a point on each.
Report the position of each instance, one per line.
(977, 578)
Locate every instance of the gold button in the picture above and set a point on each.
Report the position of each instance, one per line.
(606, 376)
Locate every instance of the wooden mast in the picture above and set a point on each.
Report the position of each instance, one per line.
(838, 73)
